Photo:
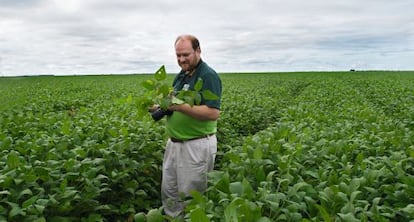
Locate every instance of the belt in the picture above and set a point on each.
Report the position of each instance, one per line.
(176, 140)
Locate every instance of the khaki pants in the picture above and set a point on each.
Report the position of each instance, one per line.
(185, 168)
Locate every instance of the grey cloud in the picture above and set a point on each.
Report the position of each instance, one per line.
(137, 36)
(18, 3)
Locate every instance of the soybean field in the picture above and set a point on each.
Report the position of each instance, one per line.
(310, 146)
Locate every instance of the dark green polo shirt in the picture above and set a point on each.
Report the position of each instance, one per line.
(184, 127)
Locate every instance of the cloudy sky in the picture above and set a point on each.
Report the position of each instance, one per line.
(134, 36)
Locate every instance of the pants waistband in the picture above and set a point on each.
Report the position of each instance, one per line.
(176, 140)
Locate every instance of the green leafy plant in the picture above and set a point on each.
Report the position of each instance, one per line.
(337, 149)
(161, 93)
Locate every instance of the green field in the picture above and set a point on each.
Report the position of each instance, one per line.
(311, 146)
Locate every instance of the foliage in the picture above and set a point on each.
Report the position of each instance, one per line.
(77, 150)
(334, 154)
(161, 93)
(294, 147)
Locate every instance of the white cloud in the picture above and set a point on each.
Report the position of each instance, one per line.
(129, 36)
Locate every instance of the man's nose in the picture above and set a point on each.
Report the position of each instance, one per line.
(180, 58)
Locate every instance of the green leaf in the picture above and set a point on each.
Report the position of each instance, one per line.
(409, 209)
(260, 174)
(129, 98)
(94, 217)
(29, 202)
(208, 95)
(198, 215)
(223, 184)
(236, 188)
(164, 90)
(242, 210)
(230, 213)
(13, 160)
(349, 217)
(6, 142)
(165, 103)
(258, 153)
(154, 215)
(411, 152)
(25, 192)
(270, 175)
(176, 100)
(139, 217)
(198, 198)
(148, 84)
(189, 100)
(360, 157)
(5, 192)
(63, 185)
(160, 74)
(354, 195)
(197, 99)
(16, 210)
(198, 85)
(66, 126)
(263, 219)
(247, 189)
(325, 215)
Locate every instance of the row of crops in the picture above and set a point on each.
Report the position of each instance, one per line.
(292, 147)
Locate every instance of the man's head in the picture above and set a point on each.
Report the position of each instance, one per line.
(187, 50)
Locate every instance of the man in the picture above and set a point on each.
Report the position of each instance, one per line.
(192, 144)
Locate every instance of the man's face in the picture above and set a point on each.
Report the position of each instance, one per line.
(187, 57)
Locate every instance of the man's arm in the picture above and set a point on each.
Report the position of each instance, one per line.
(200, 112)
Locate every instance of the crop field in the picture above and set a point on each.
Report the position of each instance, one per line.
(312, 146)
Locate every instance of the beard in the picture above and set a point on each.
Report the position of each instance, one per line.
(188, 66)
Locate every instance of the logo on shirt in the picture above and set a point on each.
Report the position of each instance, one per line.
(186, 87)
